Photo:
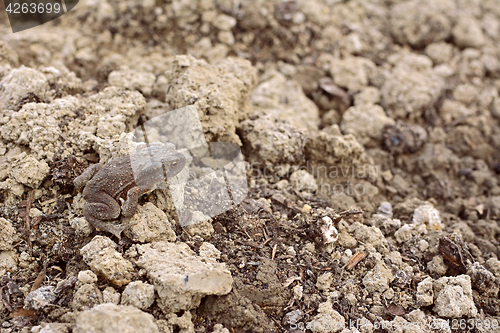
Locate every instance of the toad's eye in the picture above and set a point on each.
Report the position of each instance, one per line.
(173, 164)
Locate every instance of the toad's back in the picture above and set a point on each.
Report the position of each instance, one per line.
(115, 179)
(151, 166)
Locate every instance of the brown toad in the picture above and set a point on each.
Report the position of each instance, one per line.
(125, 178)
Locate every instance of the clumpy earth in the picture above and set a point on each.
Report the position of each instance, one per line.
(371, 135)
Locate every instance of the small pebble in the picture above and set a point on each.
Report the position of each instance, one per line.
(423, 245)
(385, 208)
(297, 291)
(427, 214)
(306, 209)
(330, 233)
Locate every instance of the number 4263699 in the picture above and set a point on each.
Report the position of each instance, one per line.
(33, 8)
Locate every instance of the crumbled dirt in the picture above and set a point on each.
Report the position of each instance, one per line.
(371, 132)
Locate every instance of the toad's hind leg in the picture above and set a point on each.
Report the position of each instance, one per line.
(87, 175)
(106, 209)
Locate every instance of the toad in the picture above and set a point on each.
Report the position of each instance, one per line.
(126, 179)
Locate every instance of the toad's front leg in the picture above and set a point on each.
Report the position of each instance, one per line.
(130, 205)
(104, 208)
